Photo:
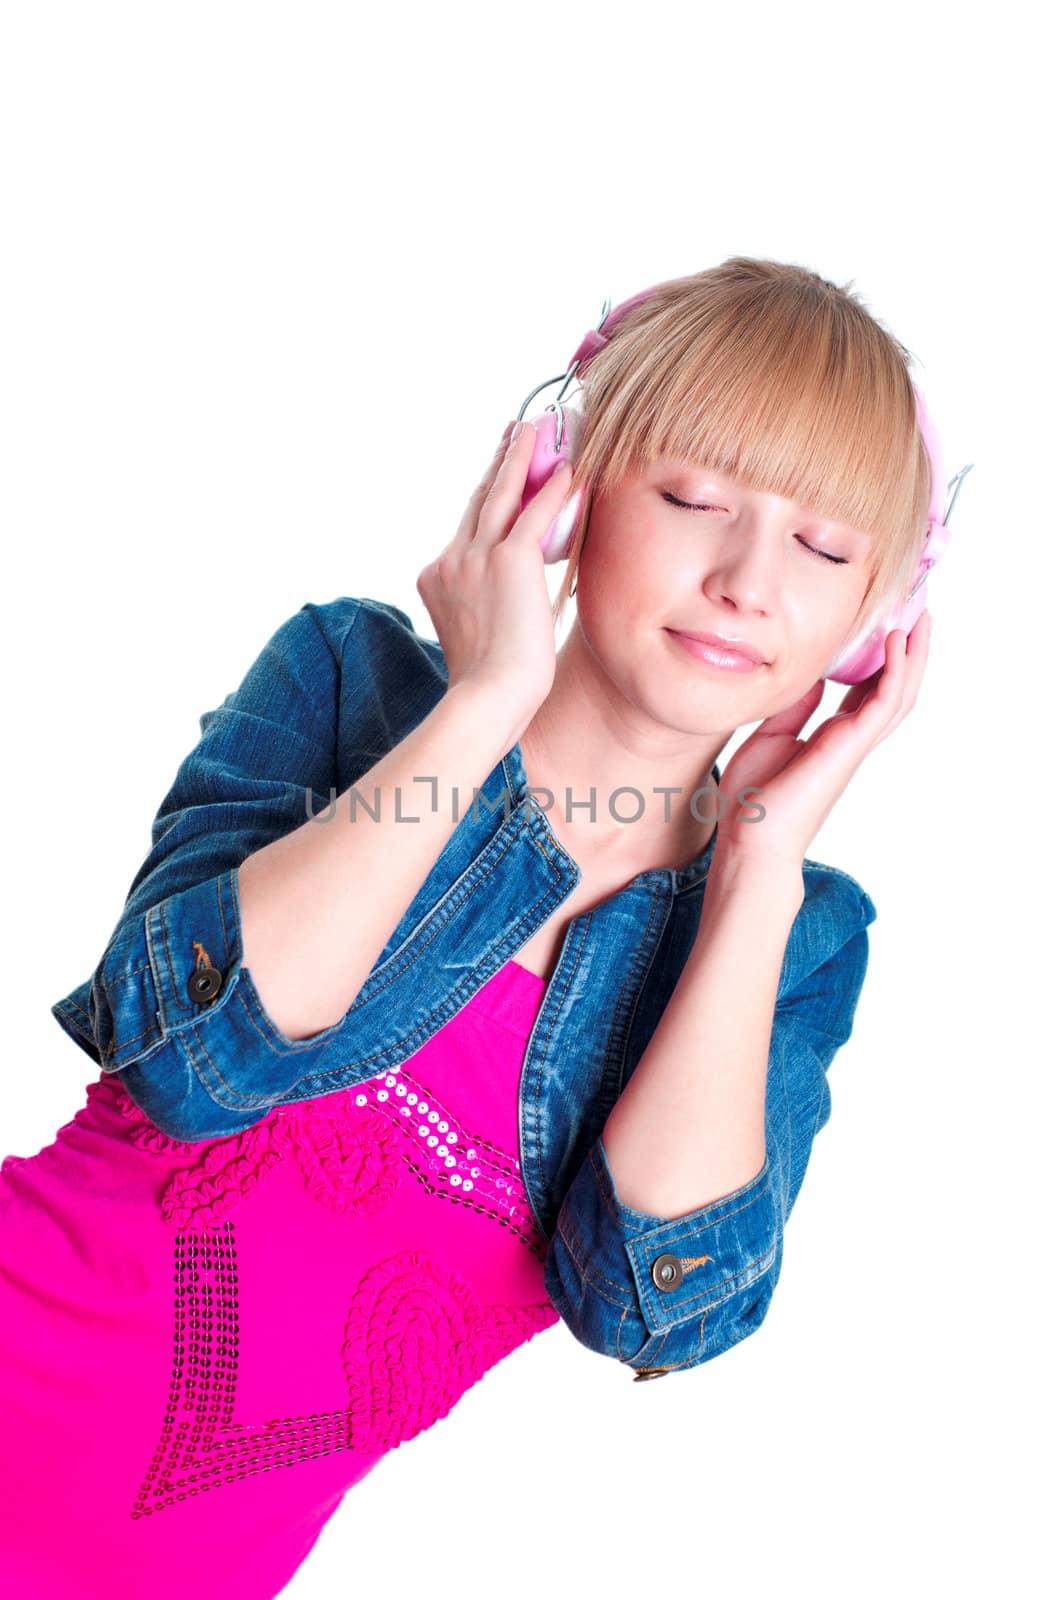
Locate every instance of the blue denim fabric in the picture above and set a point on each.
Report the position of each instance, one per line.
(335, 687)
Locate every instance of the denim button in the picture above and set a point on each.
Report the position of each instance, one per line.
(204, 984)
(667, 1272)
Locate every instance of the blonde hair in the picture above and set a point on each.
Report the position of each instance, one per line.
(770, 373)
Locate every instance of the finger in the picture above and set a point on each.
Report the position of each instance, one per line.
(918, 651)
(507, 477)
(875, 706)
(901, 674)
(867, 711)
(501, 513)
(909, 660)
(858, 693)
(793, 717)
(544, 504)
(467, 526)
(886, 685)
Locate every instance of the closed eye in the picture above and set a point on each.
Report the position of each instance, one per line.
(687, 505)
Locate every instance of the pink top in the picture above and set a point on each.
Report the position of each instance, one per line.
(204, 1346)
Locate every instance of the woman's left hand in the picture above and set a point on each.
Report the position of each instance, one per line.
(798, 780)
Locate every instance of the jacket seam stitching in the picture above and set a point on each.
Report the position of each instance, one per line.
(638, 984)
(542, 1048)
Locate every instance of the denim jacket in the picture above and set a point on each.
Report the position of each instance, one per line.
(336, 687)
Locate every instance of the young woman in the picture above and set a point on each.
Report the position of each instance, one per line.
(385, 1089)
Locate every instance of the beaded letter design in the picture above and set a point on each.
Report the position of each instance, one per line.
(417, 1335)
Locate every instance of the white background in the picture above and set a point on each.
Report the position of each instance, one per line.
(273, 280)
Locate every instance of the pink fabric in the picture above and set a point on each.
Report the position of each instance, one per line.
(203, 1347)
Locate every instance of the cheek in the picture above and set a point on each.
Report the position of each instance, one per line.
(827, 610)
(617, 573)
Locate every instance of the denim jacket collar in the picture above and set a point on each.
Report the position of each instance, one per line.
(677, 880)
(334, 688)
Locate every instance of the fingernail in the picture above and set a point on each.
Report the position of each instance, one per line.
(506, 431)
(515, 432)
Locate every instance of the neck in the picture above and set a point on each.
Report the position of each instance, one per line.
(586, 742)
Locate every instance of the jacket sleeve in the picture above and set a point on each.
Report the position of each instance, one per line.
(265, 754)
(664, 1294)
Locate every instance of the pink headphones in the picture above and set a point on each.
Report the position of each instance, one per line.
(557, 438)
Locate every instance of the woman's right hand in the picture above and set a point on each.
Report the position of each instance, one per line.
(486, 592)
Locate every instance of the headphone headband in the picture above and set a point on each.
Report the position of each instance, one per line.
(559, 438)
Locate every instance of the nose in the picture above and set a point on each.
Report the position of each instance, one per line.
(742, 574)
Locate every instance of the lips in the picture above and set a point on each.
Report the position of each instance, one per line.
(736, 647)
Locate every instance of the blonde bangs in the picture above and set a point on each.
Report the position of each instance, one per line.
(769, 373)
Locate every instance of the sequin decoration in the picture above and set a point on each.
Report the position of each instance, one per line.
(416, 1335)
(416, 1338)
(348, 1145)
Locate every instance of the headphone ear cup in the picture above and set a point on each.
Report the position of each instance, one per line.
(868, 653)
(556, 540)
(862, 658)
